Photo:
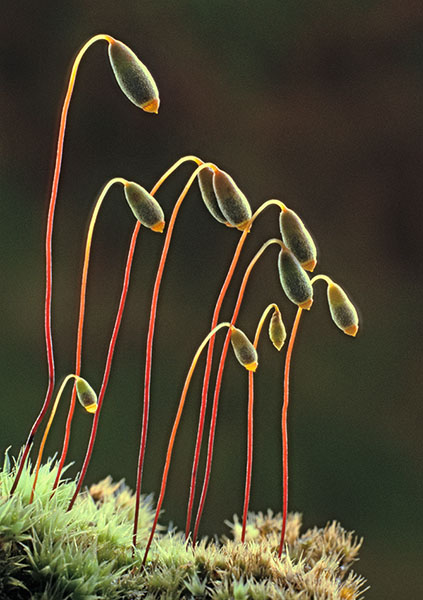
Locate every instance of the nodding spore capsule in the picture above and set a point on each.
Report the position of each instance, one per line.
(86, 395)
(145, 207)
(205, 181)
(342, 310)
(133, 77)
(232, 202)
(277, 331)
(294, 280)
(296, 237)
(244, 349)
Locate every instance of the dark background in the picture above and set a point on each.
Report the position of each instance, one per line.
(316, 103)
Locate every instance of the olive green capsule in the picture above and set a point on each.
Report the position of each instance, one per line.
(232, 202)
(296, 237)
(294, 280)
(342, 310)
(277, 331)
(86, 395)
(205, 181)
(244, 349)
(144, 206)
(133, 77)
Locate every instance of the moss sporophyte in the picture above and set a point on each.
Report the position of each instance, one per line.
(59, 542)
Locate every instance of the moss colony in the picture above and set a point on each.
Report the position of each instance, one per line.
(47, 552)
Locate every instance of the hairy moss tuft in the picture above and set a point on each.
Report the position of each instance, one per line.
(49, 552)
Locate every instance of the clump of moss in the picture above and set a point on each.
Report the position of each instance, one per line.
(47, 552)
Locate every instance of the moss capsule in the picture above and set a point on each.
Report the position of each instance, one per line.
(144, 206)
(277, 331)
(133, 77)
(244, 349)
(86, 395)
(294, 280)
(205, 181)
(232, 202)
(296, 237)
(342, 310)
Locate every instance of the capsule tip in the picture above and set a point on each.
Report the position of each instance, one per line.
(307, 304)
(159, 226)
(351, 330)
(91, 408)
(309, 265)
(251, 366)
(152, 106)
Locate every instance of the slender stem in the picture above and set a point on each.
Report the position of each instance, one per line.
(172, 169)
(48, 250)
(150, 337)
(116, 328)
(249, 466)
(108, 366)
(290, 348)
(219, 383)
(80, 331)
(209, 359)
(206, 381)
(174, 431)
(47, 429)
(284, 426)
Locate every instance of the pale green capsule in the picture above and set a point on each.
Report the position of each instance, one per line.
(232, 202)
(244, 349)
(133, 77)
(277, 331)
(86, 395)
(296, 237)
(144, 206)
(294, 280)
(205, 181)
(342, 310)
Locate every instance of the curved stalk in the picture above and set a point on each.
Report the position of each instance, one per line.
(116, 327)
(48, 250)
(219, 383)
(43, 441)
(80, 331)
(249, 467)
(285, 427)
(209, 358)
(150, 338)
(329, 282)
(324, 278)
(174, 431)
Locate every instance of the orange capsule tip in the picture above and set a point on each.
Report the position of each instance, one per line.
(152, 106)
(91, 408)
(351, 330)
(309, 265)
(159, 226)
(307, 304)
(229, 225)
(251, 366)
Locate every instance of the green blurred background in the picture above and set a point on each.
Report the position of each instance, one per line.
(316, 103)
